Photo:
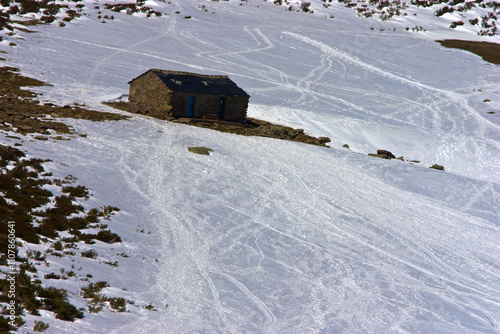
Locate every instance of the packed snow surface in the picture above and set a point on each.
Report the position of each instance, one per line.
(269, 236)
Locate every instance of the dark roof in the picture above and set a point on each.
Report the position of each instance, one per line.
(186, 82)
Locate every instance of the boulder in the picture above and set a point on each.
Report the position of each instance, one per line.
(387, 153)
(436, 166)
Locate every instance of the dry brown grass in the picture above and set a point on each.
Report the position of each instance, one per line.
(21, 109)
(490, 52)
(252, 127)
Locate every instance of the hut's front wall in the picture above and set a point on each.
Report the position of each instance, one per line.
(149, 95)
(234, 110)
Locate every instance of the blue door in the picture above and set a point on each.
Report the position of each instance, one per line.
(190, 106)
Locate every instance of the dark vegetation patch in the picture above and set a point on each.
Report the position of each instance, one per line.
(31, 296)
(486, 50)
(50, 10)
(200, 150)
(38, 215)
(60, 11)
(250, 127)
(40, 326)
(97, 301)
(37, 212)
(486, 19)
(305, 6)
(21, 110)
(132, 8)
(384, 154)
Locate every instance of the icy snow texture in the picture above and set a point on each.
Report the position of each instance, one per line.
(269, 236)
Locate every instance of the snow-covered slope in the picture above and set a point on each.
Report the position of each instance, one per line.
(272, 236)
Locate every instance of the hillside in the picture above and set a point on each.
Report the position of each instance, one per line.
(261, 235)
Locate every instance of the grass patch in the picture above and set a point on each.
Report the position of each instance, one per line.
(21, 111)
(250, 127)
(200, 150)
(39, 215)
(490, 52)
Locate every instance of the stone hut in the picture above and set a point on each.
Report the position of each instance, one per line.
(166, 93)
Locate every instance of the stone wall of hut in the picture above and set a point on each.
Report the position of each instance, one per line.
(149, 95)
(235, 109)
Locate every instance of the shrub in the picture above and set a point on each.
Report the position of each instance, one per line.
(107, 211)
(30, 6)
(37, 255)
(150, 307)
(118, 304)
(111, 263)
(28, 266)
(97, 303)
(304, 6)
(52, 276)
(58, 245)
(51, 252)
(108, 236)
(455, 24)
(77, 191)
(40, 326)
(48, 19)
(444, 10)
(92, 254)
(56, 300)
(92, 289)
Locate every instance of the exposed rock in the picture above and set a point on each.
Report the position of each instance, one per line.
(387, 153)
(382, 156)
(438, 167)
(324, 140)
(200, 150)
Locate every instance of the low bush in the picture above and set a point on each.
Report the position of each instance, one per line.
(108, 236)
(455, 24)
(118, 304)
(443, 10)
(52, 276)
(56, 300)
(76, 191)
(92, 254)
(92, 289)
(37, 255)
(40, 326)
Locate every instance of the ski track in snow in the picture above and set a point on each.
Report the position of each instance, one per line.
(448, 94)
(269, 236)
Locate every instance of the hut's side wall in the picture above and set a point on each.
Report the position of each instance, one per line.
(236, 108)
(149, 95)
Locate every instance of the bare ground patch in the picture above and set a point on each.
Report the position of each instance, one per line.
(251, 127)
(490, 52)
(21, 111)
